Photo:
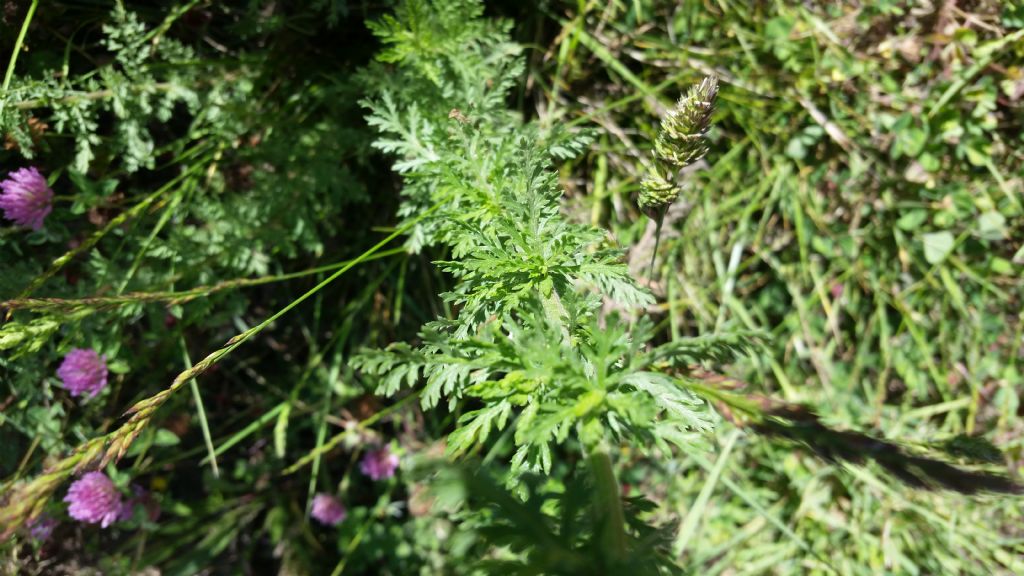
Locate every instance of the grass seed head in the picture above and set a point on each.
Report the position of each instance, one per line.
(683, 137)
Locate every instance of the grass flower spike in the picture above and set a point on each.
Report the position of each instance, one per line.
(83, 372)
(683, 137)
(26, 198)
(681, 141)
(328, 510)
(656, 193)
(94, 499)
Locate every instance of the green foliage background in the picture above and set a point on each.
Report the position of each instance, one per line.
(859, 211)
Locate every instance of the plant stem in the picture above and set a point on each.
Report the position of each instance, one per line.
(17, 47)
(608, 505)
(201, 412)
(321, 432)
(172, 297)
(657, 240)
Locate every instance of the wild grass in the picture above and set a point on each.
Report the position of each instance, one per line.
(834, 304)
(838, 212)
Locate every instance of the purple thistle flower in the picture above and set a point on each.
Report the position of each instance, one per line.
(93, 498)
(379, 464)
(26, 198)
(83, 371)
(41, 527)
(328, 509)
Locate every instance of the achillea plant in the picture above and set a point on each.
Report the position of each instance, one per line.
(528, 344)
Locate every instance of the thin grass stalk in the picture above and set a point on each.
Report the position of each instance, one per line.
(9, 75)
(173, 297)
(204, 425)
